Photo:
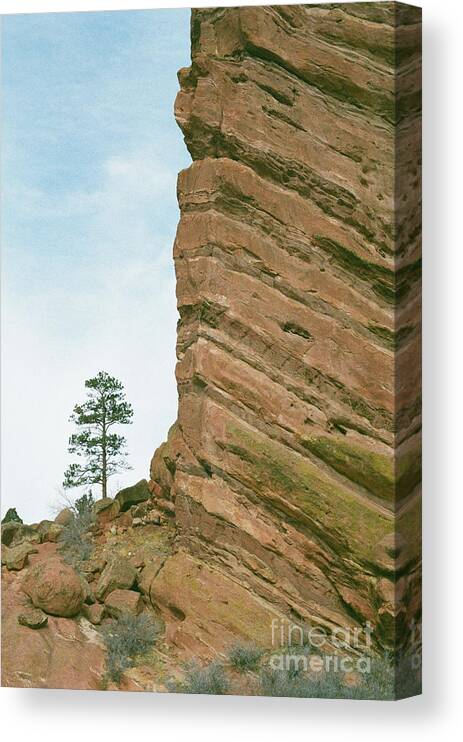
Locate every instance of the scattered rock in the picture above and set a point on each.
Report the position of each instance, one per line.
(94, 613)
(16, 557)
(133, 495)
(91, 566)
(123, 601)
(54, 587)
(119, 573)
(137, 522)
(34, 618)
(153, 517)
(139, 511)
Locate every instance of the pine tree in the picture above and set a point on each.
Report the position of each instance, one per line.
(102, 450)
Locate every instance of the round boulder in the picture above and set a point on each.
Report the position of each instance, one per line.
(54, 587)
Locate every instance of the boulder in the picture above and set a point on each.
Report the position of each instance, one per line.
(133, 495)
(94, 613)
(49, 530)
(54, 587)
(123, 601)
(106, 510)
(119, 573)
(100, 505)
(94, 565)
(16, 557)
(8, 531)
(14, 533)
(33, 618)
(64, 517)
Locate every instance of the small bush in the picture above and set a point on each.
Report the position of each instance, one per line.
(387, 680)
(76, 544)
(210, 679)
(125, 639)
(293, 684)
(83, 506)
(245, 657)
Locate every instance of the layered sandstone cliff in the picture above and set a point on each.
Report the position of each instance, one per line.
(294, 465)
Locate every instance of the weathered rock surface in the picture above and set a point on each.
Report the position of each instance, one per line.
(117, 574)
(49, 530)
(295, 459)
(133, 495)
(14, 533)
(54, 587)
(123, 601)
(94, 613)
(16, 557)
(64, 517)
(34, 618)
(101, 505)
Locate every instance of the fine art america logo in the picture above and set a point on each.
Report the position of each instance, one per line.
(318, 649)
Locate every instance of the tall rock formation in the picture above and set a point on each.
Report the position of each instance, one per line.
(294, 465)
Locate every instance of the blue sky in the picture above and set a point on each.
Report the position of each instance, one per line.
(91, 153)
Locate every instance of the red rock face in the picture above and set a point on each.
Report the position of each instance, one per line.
(294, 465)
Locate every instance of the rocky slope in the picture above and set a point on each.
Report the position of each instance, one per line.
(54, 614)
(294, 465)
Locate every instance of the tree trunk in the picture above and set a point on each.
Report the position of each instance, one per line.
(104, 477)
